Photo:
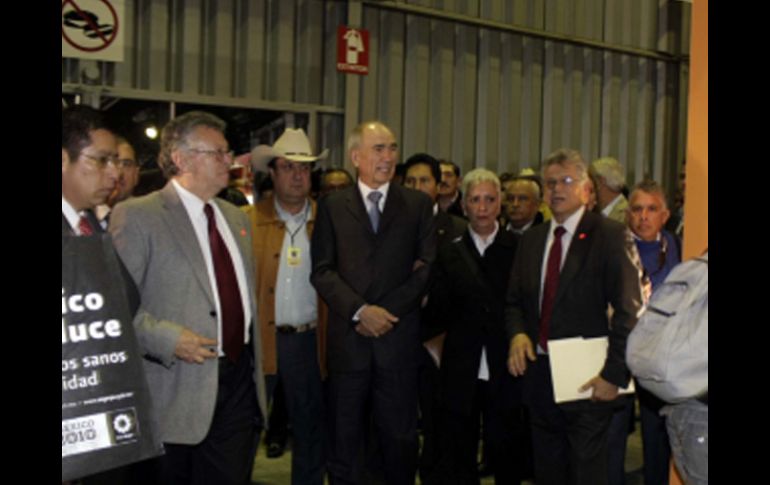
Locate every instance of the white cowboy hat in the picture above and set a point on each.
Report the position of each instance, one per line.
(293, 145)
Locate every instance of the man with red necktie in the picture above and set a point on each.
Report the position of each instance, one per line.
(190, 255)
(565, 277)
(89, 168)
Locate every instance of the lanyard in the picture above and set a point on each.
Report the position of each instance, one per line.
(301, 225)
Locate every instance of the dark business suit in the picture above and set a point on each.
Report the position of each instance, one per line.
(570, 439)
(469, 302)
(456, 208)
(354, 266)
(448, 228)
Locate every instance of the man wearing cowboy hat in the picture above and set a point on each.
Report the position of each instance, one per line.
(292, 318)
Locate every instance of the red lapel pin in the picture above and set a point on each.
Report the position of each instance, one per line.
(582, 236)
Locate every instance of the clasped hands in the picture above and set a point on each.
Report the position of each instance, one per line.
(375, 321)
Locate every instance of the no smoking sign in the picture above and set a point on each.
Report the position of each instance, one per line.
(93, 29)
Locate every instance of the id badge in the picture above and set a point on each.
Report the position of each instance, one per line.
(294, 256)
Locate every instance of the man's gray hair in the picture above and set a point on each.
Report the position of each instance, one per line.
(610, 169)
(354, 139)
(176, 132)
(564, 157)
(651, 187)
(477, 176)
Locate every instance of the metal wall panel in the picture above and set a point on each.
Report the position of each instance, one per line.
(464, 80)
(516, 97)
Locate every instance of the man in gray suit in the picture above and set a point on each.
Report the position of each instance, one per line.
(190, 254)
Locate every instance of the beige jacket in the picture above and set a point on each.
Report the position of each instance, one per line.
(268, 232)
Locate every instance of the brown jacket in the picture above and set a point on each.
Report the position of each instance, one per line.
(268, 232)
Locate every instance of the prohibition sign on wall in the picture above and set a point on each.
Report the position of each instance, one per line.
(92, 29)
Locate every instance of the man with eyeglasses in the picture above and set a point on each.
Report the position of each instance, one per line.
(128, 178)
(190, 255)
(565, 276)
(89, 168)
(292, 318)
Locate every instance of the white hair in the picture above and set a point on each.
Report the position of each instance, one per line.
(477, 176)
(613, 173)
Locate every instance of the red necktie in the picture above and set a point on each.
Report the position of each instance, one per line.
(551, 285)
(228, 290)
(85, 227)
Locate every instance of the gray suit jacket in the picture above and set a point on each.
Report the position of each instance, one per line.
(156, 240)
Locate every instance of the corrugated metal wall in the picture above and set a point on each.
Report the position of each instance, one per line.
(488, 96)
(481, 95)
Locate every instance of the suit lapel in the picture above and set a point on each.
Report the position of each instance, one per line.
(394, 205)
(356, 206)
(540, 236)
(181, 230)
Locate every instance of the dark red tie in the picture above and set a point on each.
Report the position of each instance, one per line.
(85, 227)
(551, 285)
(228, 290)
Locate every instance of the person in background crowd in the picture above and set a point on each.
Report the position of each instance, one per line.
(203, 358)
(522, 198)
(610, 177)
(472, 275)
(292, 320)
(449, 195)
(593, 203)
(646, 216)
(373, 245)
(423, 174)
(550, 300)
(128, 178)
(334, 179)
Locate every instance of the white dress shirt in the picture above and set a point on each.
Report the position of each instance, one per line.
(194, 207)
(296, 302)
(72, 216)
(570, 226)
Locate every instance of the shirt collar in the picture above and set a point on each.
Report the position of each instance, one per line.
(606, 211)
(192, 202)
(522, 229)
(637, 238)
(366, 190)
(570, 225)
(73, 217)
(286, 216)
(479, 241)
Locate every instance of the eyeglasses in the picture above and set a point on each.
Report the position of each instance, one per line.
(566, 181)
(219, 154)
(103, 160)
(127, 163)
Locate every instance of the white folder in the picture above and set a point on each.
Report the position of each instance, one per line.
(575, 361)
